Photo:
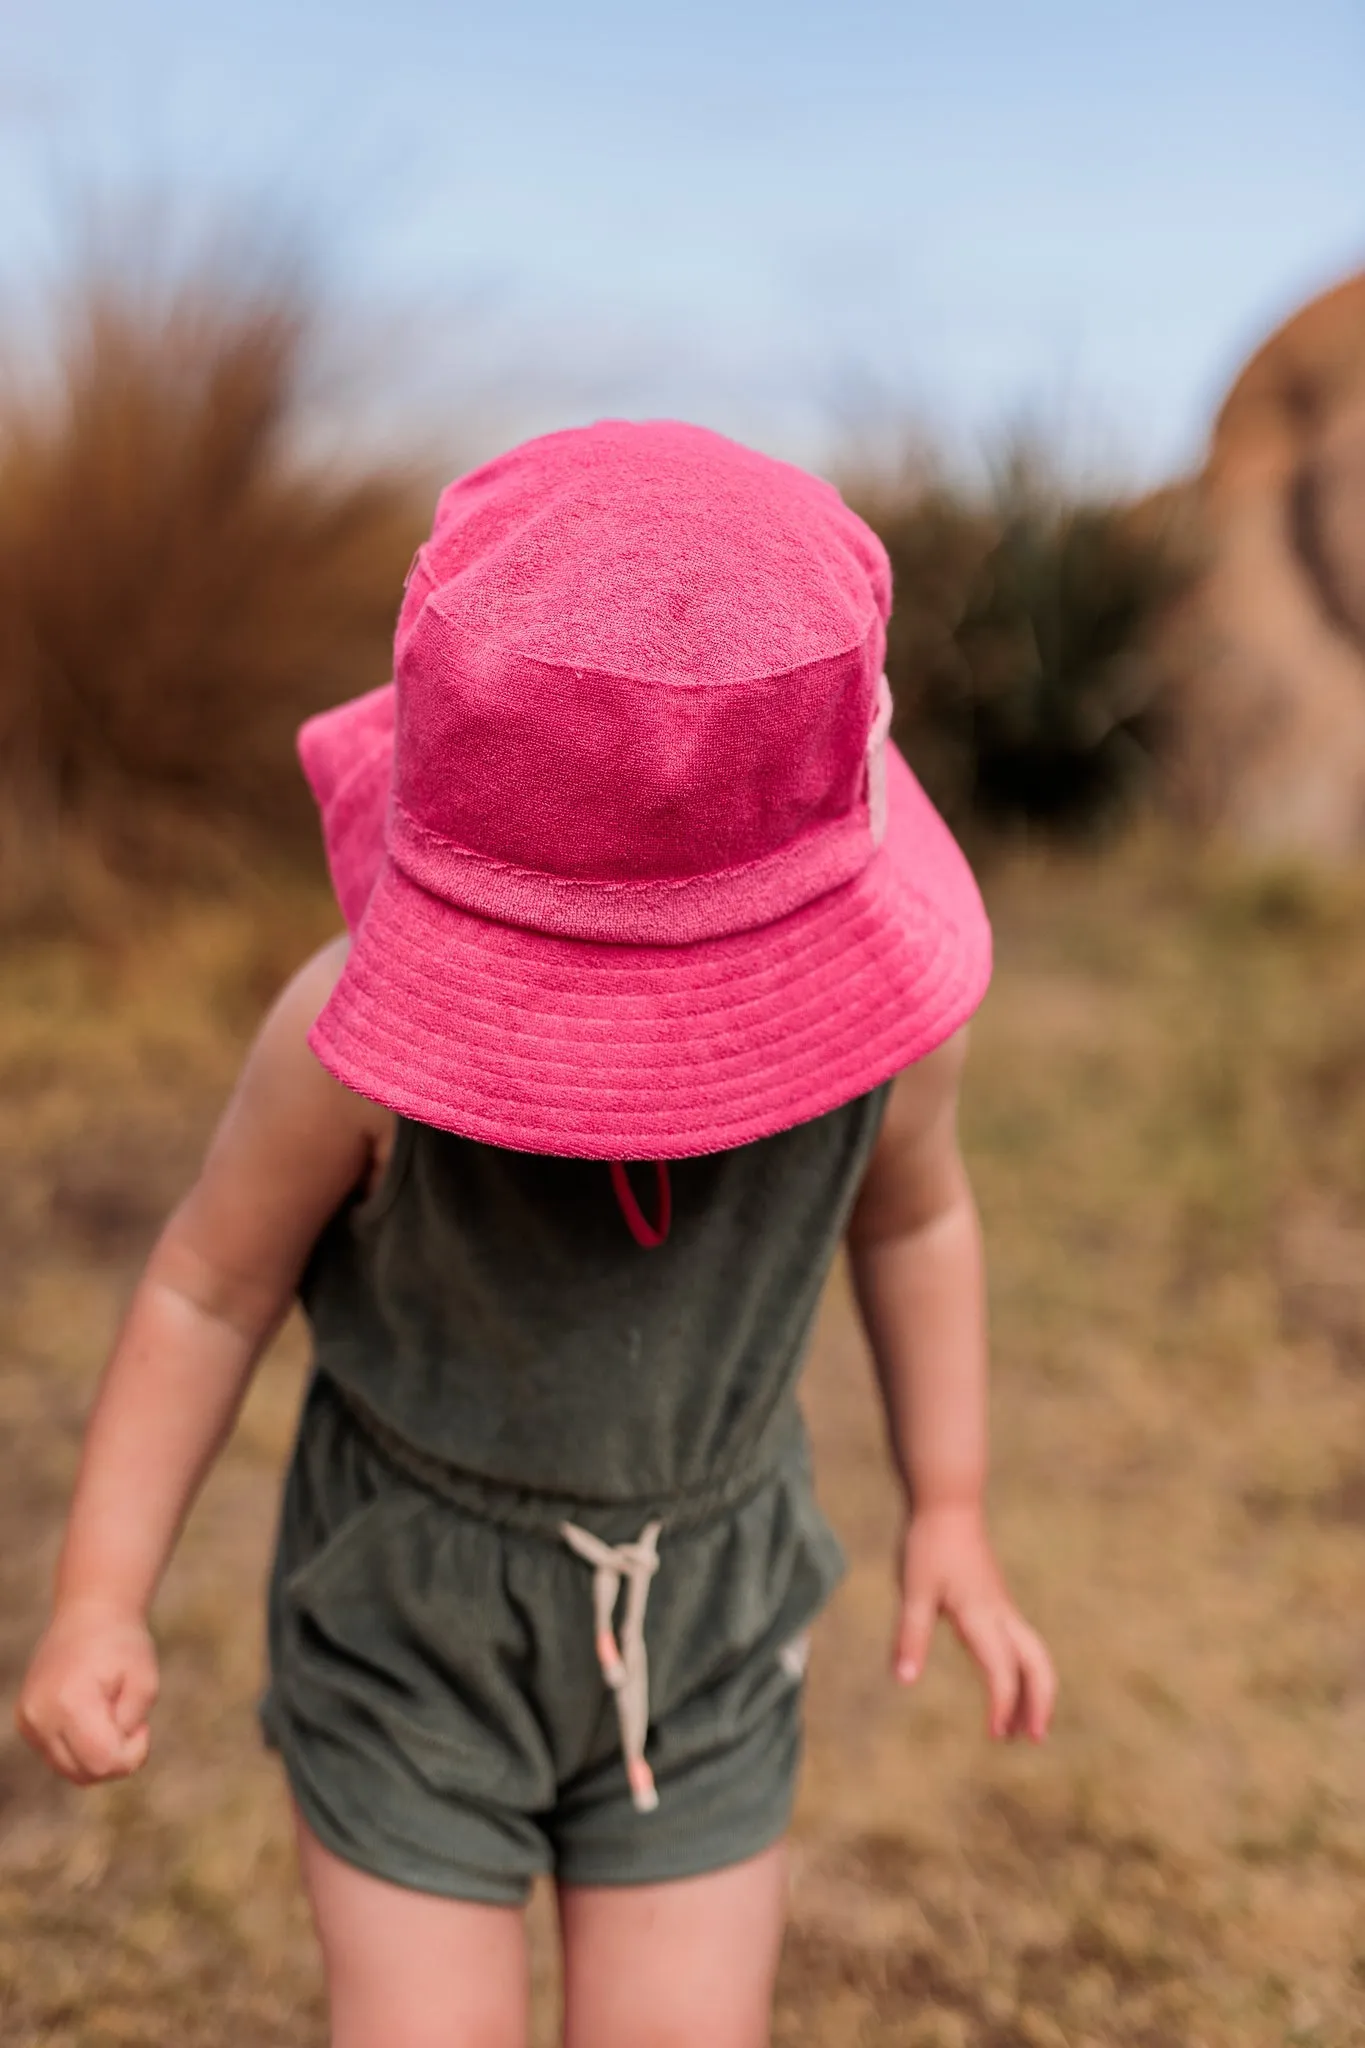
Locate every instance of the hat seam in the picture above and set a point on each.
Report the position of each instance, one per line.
(582, 670)
(914, 907)
(703, 880)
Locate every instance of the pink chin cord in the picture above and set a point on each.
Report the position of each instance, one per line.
(641, 1229)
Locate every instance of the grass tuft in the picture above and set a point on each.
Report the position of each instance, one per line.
(179, 586)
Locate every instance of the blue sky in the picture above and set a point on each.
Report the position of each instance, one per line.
(792, 221)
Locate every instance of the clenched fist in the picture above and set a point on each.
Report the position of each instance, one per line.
(88, 1692)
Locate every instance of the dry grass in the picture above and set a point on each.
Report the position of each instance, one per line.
(1167, 1127)
(178, 589)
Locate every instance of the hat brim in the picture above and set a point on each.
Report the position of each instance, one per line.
(545, 1044)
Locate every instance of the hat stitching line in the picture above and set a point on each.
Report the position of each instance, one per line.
(814, 1077)
(948, 978)
(582, 671)
(825, 936)
(438, 840)
(906, 1034)
(870, 893)
(737, 1116)
(715, 1043)
(912, 899)
(619, 1007)
(682, 1141)
(910, 979)
(733, 957)
(864, 945)
(824, 942)
(935, 979)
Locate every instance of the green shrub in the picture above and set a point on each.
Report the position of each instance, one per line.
(1022, 651)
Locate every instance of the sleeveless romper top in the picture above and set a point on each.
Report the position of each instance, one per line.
(491, 1309)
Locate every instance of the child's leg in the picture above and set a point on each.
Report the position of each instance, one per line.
(408, 1970)
(674, 1965)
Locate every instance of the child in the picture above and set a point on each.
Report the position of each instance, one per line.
(632, 873)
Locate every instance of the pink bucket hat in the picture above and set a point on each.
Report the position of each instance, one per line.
(631, 867)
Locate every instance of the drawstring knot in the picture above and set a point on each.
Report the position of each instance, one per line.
(625, 1665)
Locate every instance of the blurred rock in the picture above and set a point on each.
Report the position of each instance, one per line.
(1269, 724)
(1337, 519)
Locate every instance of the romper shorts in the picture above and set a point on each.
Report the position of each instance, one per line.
(434, 1688)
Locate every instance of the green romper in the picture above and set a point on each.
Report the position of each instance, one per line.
(517, 1415)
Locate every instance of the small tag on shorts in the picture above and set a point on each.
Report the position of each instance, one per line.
(795, 1655)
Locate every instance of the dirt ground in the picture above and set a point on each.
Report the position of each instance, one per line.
(1165, 1121)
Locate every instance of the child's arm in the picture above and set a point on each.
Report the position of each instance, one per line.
(915, 1249)
(291, 1143)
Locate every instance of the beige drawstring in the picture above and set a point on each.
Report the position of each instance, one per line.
(625, 1668)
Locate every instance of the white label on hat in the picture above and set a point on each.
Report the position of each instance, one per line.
(876, 763)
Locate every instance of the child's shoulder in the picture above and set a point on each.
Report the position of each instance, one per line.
(282, 1067)
(915, 1156)
(307, 989)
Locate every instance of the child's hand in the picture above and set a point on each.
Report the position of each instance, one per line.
(88, 1692)
(949, 1568)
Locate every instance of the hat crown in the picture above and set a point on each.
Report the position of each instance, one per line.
(634, 656)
